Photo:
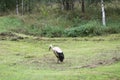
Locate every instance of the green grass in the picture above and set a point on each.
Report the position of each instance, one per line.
(8, 23)
(29, 59)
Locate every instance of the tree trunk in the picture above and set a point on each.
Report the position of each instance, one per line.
(67, 4)
(83, 6)
(103, 13)
(17, 9)
(22, 7)
(29, 7)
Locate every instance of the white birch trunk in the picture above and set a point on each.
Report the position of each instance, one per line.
(17, 9)
(103, 13)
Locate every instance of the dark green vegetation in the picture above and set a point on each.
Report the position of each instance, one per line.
(54, 28)
(95, 58)
(50, 21)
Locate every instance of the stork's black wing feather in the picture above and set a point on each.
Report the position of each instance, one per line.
(61, 56)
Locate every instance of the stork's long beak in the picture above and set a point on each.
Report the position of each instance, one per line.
(49, 48)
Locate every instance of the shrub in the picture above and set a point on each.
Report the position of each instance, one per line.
(50, 31)
(112, 29)
(46, 31)
(92, 28)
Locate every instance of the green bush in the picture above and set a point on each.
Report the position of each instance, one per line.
(45, 31)
(50, 31)
(33, 29)
(112, 29)
(92, 28)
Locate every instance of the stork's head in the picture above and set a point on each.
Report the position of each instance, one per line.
(50, 47)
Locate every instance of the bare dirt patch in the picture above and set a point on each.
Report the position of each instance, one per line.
(102, 59)
(100, 63)
(48, 61)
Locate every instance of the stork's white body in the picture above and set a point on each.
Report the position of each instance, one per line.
(57, 49)
(58, 53)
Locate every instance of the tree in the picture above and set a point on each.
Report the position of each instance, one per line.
(22, 6)
(103, 13)
(83, 6)
(17, 8)
(67, 4)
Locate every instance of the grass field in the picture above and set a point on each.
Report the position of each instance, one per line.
(88, 58)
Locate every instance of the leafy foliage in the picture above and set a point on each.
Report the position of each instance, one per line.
(91, 28)
(50, 31)
(51, 21)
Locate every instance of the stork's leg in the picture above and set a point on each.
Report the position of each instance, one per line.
(58, 61)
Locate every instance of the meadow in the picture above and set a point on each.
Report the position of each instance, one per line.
(86, 58)
(92, 51)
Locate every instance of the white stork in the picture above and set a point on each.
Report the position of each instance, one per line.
(58, 53)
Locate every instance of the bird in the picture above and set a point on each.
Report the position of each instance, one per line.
(58, 53)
